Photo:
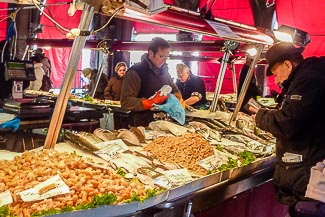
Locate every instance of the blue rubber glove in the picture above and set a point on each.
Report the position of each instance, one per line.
(174, 108)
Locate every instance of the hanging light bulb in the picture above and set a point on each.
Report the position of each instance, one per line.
(252, 51)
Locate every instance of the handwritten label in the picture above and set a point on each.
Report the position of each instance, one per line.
(110, 149)
(153, 134)
(163, 181)
(5, 198)
(222, 30)
(210, 163)
(179, 176)
(35, 193)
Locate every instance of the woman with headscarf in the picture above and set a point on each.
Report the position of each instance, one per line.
(114, 86)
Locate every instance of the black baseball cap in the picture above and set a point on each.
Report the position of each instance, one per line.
(280, 52)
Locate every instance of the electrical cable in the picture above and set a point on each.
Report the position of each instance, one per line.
(3, 19)
(50, 14)
(3, 50)
(46, 15)
(112, 16)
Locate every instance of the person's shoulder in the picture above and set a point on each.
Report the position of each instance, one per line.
(314, 65)
(196, 78)
(113, 79)
(311, 70)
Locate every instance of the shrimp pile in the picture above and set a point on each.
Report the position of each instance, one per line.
(84, 181)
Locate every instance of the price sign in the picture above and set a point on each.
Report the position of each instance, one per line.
(178, 177)
(210, 163)
(110, 149)
(5, 198)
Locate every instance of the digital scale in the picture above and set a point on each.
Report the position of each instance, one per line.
(19, 71)
(28, 108)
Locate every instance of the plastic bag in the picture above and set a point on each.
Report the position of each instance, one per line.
(107, 122)
(12, 124)
(174, 108)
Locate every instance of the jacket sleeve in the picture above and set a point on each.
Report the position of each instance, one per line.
(175, 89)
(108, 90)
(198, 88)
(130, 90)
(39, 73)
(300, 108)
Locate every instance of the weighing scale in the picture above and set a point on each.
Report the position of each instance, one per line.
(19, 71)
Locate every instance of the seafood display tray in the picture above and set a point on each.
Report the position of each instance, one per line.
(250, 168)
(114, 210)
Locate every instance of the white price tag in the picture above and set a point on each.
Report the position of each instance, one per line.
(110, 149)
(153, 134)
(179, 176)
(5, 198)
(210, 163)
(52, 187)
(221, 29)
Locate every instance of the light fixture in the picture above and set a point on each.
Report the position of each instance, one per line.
(290, 34)
(252, 51)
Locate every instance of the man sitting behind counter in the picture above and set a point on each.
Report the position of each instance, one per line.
(191, 86)
(141, 85)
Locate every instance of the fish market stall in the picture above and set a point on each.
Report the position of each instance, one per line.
(178, 166)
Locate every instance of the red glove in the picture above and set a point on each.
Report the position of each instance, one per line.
(156, 99)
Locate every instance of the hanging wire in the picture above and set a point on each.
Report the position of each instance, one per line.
(3, 19)
(3, 50)
(269, 3)
(110, 19)
(57, 27)
(50, 18)
(14, 43)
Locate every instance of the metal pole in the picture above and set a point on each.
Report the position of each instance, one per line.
(220, 80)
(234, 77)
(98, 76)
(246, 83)
(62, 101)
(189, 209)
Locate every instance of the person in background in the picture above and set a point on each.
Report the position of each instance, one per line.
(144, 80)
(191, 86)
(44, 60)
(300, 139)
(114, 86)
(39, 73)
(46, 66)
(91, 74)
(253, 91)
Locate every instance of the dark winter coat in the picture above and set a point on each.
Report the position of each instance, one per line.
(142, 81)
(194, 86)
(113, 89)
(102, 83)
(298, 127)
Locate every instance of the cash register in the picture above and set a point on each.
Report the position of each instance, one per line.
(19, 71)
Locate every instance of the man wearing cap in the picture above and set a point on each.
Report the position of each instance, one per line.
(298, 124)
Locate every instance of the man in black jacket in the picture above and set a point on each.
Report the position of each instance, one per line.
(191, 86)
(298, 123)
